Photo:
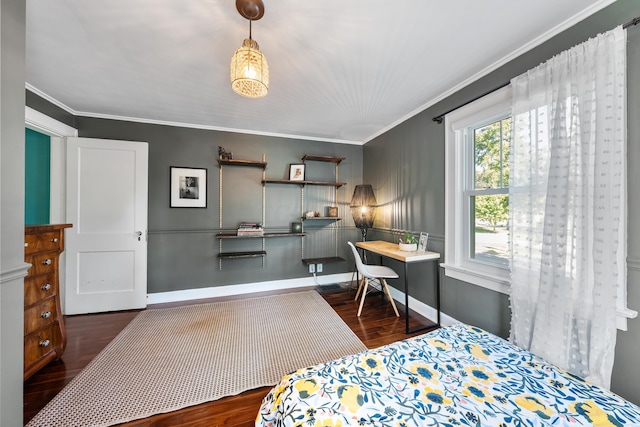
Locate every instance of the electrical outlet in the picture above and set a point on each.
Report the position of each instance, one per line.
(312, 268)
(319, 268)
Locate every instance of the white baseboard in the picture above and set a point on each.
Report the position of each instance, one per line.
(302, 282)
(245, 288)
(422, 308)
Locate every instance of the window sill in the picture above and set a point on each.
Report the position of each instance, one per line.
(479, 278)
(502, 285)
(622, 314)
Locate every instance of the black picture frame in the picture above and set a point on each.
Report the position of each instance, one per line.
(188, 187)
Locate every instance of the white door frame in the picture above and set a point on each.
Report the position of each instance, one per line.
(58, 132)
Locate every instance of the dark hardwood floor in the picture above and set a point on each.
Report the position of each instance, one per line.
(88, 334)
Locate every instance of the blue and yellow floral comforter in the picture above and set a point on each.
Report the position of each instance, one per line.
(454, 376)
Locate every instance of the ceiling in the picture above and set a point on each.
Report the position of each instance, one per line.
(340, 71)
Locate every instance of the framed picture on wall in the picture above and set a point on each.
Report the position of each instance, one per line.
(188, 187)
(296, 172)
(422, 243)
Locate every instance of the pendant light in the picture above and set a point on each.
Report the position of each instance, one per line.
(249, 69)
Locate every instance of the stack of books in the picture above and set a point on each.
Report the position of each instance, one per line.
(250, 229)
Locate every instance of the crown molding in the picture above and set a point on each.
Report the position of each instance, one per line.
(70, 110)
(51, 99)
(499, 63)
(516, 53)
(216, 128)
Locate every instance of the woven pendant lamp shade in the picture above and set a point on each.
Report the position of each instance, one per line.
(249, 71)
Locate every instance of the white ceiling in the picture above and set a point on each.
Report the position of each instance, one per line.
(341, 71)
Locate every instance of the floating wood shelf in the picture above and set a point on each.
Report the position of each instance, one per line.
(247, 163)
(325, 260)
(251, 254)
(235, 236)
(302, 183)
(316, 158)
(319, 218)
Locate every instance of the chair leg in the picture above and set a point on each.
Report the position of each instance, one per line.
(359, 288)
(393, 303)
(364, 294)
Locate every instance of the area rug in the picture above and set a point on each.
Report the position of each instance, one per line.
(171, 358)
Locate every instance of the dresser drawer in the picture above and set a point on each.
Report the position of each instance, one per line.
(42, 263)
(39, 288)
(44, 335)
(40, 315)
(38, 344)
(42, 242)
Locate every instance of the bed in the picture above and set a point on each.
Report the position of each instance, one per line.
(454, 376)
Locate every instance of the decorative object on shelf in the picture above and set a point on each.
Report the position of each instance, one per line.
(332, 211)
(296, 227)
(310, 214)
(249, 70)
(422, 244)
(296, 172)
(188, 187)
(409, 242)
(223, 154)
(363, 205)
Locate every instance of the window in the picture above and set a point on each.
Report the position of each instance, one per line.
(487, 192)
(477, 150)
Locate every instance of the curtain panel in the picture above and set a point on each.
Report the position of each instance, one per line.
(567, 206)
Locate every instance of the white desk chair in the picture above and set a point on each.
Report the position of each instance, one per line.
(372, 272)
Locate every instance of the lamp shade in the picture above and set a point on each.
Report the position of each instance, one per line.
(249, 71)
(363, 204)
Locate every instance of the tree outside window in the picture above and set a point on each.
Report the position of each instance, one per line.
(488, 195)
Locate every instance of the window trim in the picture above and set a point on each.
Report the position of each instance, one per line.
(491, 106)
(457, 240)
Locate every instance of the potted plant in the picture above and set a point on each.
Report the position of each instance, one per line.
(409, 242)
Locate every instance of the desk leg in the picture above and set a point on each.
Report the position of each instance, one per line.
(437, 273)
(406, 297)
(406, 301)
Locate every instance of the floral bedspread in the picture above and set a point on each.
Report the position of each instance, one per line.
(454, 376)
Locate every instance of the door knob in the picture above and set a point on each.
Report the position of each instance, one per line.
(139, 234)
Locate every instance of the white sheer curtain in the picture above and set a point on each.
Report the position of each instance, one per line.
(567, 206)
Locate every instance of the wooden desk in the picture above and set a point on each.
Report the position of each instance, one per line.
(391, 250)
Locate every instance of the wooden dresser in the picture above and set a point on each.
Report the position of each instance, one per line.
(44, 335)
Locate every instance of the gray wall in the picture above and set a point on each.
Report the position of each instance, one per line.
(12, 52)
(182, 251)
(406, 168)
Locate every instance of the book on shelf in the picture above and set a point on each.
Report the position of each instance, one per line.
(250, 225)
(246, 229)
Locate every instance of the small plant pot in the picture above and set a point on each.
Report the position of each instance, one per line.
(409, 247)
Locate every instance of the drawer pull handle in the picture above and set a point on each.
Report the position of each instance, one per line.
(26, 244)
(44, 343)
(46, 314)
(46, 286)
(46, 262)
(54, 240)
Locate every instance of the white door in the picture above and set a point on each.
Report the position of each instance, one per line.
(106, 250)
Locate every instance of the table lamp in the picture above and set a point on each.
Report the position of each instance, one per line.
(363, 206)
